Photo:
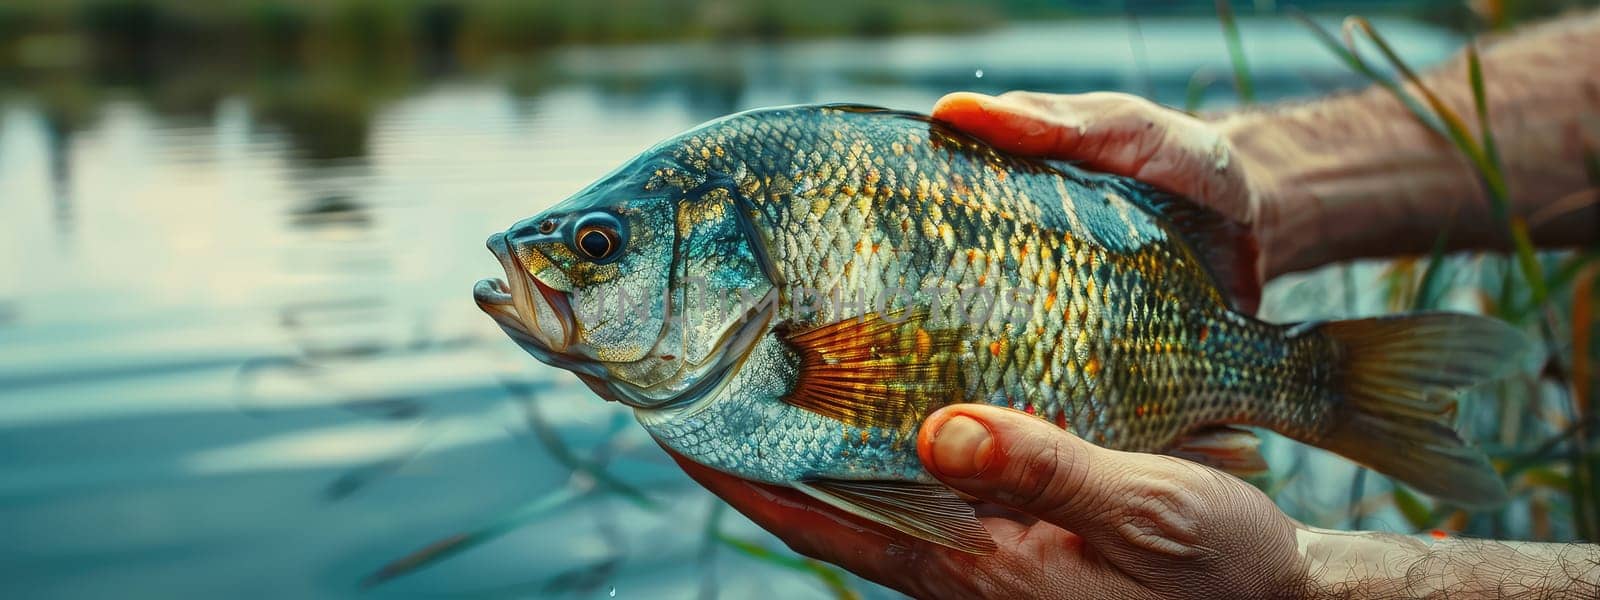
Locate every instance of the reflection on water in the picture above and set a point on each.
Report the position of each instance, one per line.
(237, 349)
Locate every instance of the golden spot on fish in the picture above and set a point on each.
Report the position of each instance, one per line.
(819, 207)
(995, 347)
(983, 279)
(872, 177)
(1050, 301)
(905, 192)
(898, 148)
(719, 152)
(864, 437)
(848, 190)
(905, 225)
(959, 185)
(972, 256)
(1092, 367)
(705, 152)
(947, 234)
(924, 342)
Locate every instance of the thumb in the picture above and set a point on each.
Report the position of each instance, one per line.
(1128, 505)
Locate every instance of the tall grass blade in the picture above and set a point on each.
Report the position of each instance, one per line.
(455, 544)
(830, 577)
(1195, 93)
(1354, 61)
(1429, 290)
(1241, 69)
(1415, 511)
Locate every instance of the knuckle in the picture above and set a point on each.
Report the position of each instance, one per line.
(1161, 515)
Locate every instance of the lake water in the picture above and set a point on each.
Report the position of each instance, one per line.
(238, 353)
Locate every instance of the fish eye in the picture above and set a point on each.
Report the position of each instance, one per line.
(598, 238)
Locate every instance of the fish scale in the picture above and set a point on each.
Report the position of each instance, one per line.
(958, 218)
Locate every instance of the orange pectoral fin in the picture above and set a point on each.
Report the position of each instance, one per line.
(873, 371)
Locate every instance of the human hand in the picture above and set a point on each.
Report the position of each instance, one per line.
(1129, 136)
(1072, 520)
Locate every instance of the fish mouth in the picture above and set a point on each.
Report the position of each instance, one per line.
(530, 311)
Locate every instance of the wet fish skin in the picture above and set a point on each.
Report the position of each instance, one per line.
(836, 273)
(1118, 331)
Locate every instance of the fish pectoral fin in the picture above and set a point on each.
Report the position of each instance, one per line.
(1228, 449)
(927, 511)
(885, 371)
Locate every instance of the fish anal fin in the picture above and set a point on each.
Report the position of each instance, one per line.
(926, 511)
(1228, 449)
(876, 370)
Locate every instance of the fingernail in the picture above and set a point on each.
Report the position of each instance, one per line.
(962, 447)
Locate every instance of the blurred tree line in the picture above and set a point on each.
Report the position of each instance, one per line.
(63, 30)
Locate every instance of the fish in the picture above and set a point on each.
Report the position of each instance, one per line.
(784, 294)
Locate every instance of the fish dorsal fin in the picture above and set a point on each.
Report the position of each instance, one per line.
(876, 371)
(927, 511)
(1228, 449)
(1227, 248)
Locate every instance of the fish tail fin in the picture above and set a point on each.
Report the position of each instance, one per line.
(1393, 396)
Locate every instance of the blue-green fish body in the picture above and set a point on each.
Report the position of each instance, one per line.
(784, 294)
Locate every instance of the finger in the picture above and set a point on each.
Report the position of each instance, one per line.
(1124, 504)
(1011, 126)
(1113, 133)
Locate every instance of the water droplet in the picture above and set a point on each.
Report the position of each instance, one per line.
(978, 74)
(613, 591)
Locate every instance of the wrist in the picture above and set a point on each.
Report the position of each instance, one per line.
(1266, 155)
(1360, 564)
(1350, 177)
(1381, 565)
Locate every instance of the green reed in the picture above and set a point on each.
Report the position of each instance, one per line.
(1530, 292)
